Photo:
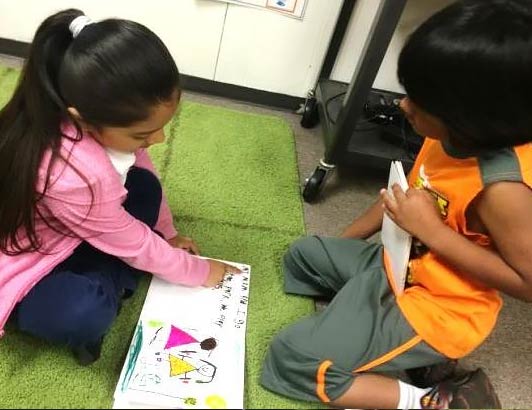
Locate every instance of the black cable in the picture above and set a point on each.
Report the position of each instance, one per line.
(390, 111)
(384, 109)
(334, 97)
(385, 112)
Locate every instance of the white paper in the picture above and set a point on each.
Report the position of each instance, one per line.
(397, 242)
(188, 349)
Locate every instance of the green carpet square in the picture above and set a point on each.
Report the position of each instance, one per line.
(8, 81)
(234, 167)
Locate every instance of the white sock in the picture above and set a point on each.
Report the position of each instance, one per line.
(410, 396)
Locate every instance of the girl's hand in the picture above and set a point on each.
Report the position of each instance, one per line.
(415, 210)
(185, 243)
(217, 272)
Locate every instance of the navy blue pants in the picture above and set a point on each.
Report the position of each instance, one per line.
(78, 301)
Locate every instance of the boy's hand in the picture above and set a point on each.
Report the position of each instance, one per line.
(415, 210)
(185, 243)
(217, 272)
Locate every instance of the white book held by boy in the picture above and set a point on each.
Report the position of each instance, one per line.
(397, 242)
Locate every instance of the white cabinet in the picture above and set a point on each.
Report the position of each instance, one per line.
(267, 51)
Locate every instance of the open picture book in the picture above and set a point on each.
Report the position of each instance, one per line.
(188, 348)
(396, 241)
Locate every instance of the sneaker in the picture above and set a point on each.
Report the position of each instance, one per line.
(89, 353)
(428, 376)
(470, 391)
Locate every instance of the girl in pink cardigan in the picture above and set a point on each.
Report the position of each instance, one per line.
(82, 213)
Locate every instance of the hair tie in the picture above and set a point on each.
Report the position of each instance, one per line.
(78, 24)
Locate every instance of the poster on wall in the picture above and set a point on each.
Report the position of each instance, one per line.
(290, 8)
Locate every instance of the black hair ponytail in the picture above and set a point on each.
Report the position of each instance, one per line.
(29, 125)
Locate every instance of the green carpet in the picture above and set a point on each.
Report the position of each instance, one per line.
(231, 181)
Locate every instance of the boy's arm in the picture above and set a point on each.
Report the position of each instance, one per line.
(505, 209)
(367, 224)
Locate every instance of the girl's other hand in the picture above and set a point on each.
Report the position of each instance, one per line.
(185, 243)
(217, 272)
(415, 210)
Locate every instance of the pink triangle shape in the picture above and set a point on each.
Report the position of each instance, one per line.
(178, 337)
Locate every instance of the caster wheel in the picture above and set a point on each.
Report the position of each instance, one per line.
(311, 116)
(313, 184)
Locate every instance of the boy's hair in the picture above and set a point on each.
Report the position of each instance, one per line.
(470, 65)
(113, 72)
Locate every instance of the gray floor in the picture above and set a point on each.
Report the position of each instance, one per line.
(506, 355)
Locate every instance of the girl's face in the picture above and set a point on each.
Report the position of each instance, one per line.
(141, 134)
(424, 124)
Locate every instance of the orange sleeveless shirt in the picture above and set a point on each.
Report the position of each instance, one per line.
(451, 313)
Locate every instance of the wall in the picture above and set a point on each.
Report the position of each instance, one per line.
(240, 45)
(176, 22)
(227, 43)
(415, 12)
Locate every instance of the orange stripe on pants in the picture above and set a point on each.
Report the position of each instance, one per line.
(390, 355)
(320, 377)
(320, 381)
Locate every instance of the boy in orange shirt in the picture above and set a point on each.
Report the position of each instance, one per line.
(466, 72)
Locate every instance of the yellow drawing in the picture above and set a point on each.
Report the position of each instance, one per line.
(215, 402)
(179, 366)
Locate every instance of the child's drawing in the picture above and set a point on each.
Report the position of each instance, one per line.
(189, 358)
(170, 356)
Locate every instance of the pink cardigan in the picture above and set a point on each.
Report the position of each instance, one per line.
(106, 225)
